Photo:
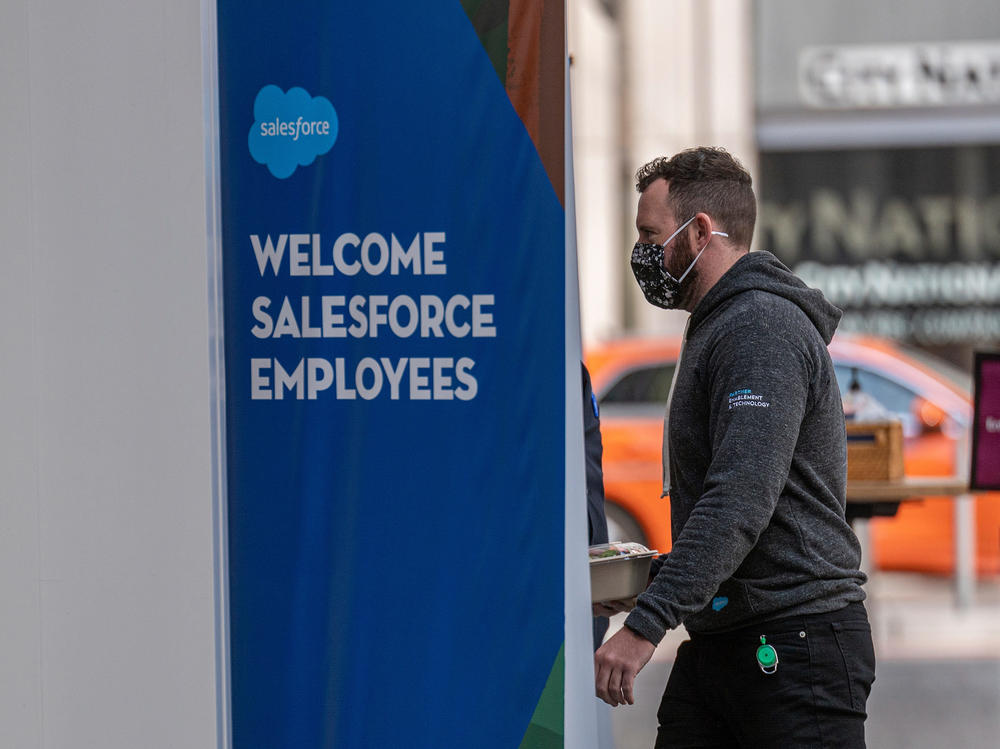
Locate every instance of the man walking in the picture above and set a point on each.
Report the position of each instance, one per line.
(763, 571)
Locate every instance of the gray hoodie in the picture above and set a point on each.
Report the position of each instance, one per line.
(758, 462)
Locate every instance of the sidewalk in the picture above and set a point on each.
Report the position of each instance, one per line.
(915, 616)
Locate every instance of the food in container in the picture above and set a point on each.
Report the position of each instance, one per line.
(618, 570)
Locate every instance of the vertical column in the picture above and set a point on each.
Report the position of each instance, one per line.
(965, 533)
(595, 44)
(20, 626)
(965, 550)
(688, 82)
(105, 540)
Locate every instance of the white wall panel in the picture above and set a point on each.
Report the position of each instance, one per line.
(20, 622)
(107, 482)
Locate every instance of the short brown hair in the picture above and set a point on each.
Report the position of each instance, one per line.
(708, 180)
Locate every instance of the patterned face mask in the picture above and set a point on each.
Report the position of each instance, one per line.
(659, 287)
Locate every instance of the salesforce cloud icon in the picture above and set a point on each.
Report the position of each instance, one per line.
(290, 129)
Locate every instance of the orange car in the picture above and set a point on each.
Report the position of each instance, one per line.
(631, 378)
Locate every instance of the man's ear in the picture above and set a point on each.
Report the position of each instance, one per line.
(703, 227)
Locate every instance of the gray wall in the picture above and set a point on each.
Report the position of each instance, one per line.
(107, 631)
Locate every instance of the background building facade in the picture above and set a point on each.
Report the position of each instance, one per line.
(871, 130)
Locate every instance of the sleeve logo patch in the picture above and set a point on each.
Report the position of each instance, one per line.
(746, 397)
(718, 604)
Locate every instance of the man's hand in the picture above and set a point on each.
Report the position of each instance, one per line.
(617, 663)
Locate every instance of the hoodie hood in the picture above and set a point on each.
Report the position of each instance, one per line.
(762, 271)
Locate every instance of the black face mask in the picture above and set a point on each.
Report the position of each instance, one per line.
(659, 287)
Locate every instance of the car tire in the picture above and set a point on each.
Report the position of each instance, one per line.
(621, 525)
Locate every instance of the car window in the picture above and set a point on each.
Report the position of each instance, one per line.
(895, 397)
(649, 385)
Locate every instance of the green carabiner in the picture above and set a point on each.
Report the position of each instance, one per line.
(767, 657)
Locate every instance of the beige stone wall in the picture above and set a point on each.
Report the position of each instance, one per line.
(648, 78)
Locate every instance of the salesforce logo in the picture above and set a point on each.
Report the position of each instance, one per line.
(290, 129)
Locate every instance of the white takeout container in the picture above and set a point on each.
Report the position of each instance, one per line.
(618, 577)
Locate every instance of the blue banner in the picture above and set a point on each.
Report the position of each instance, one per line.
(394, 338)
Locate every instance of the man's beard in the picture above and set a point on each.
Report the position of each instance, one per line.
(680, 260)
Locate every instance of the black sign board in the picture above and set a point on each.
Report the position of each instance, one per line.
(905, 240)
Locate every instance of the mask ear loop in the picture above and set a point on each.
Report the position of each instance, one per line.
(684, 275)
(679, 230)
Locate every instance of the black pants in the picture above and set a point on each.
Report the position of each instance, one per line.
(717, 695)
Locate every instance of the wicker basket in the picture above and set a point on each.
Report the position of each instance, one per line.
(874, 451)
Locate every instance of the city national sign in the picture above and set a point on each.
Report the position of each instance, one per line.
(900, 75)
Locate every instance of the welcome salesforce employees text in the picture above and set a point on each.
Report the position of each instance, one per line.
(364, 316)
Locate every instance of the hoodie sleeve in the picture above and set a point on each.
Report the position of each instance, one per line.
(758, 378)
